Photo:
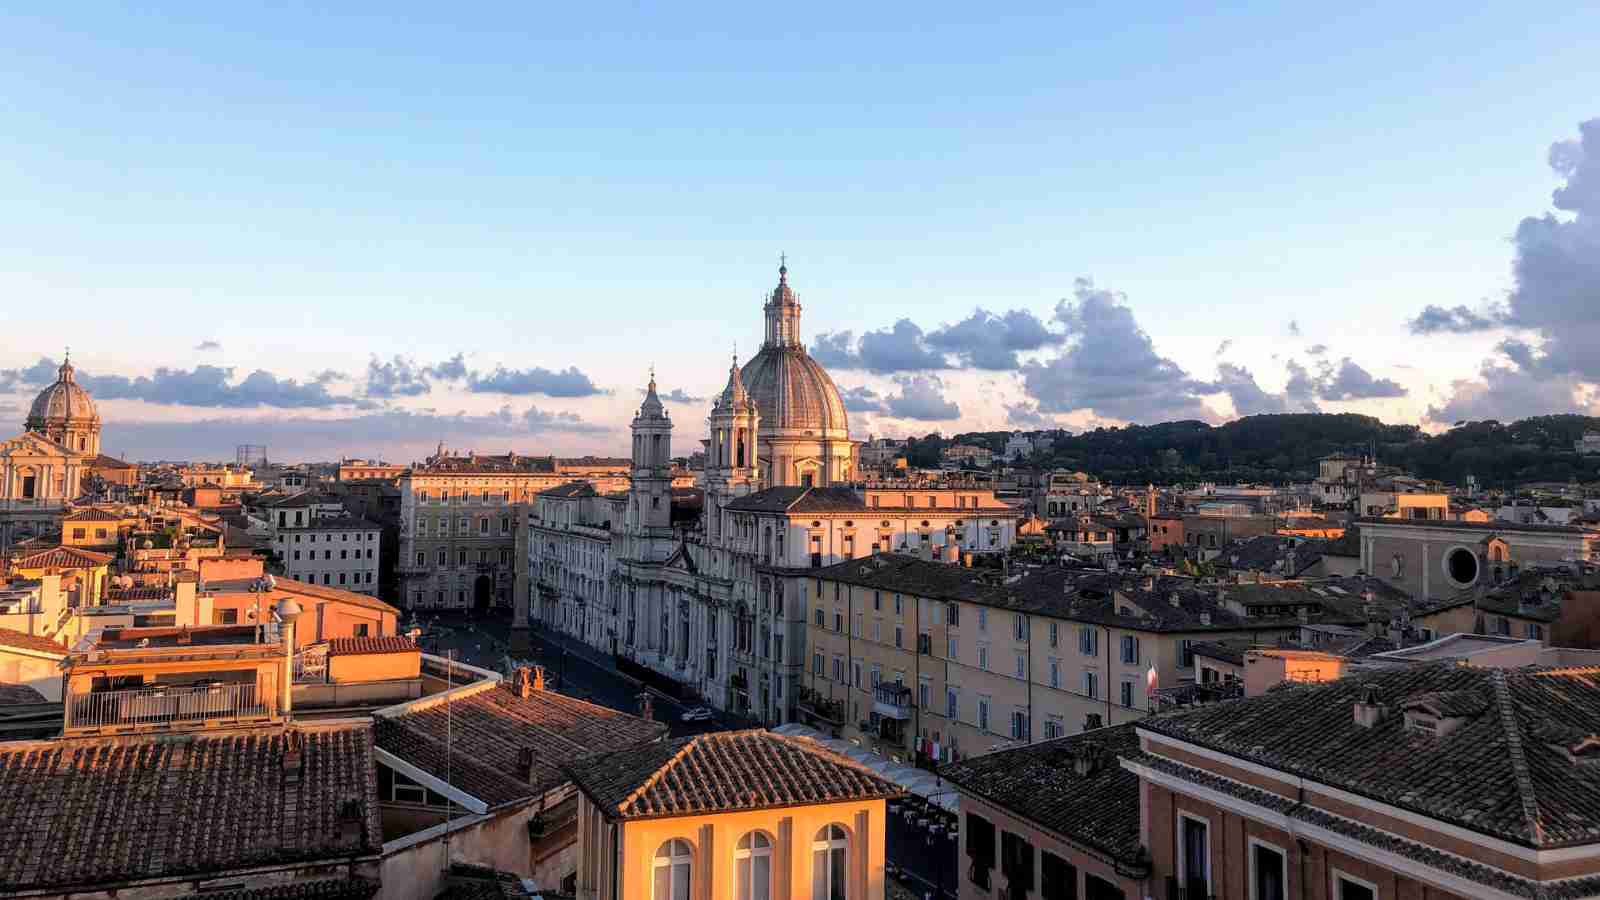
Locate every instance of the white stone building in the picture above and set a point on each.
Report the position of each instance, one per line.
(340, 552)
(716, 604)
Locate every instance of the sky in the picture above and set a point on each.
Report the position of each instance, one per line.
(363, 230)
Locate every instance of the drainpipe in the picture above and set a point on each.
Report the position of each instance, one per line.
(288, 611)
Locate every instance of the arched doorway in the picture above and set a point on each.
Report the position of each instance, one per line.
(482, 592)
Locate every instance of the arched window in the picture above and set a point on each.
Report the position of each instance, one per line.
(752, 867)
(829, 855)
(672, 864)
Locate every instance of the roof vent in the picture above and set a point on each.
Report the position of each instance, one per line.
(1368, 710)
(1205, 618)
(1175, 600)
(1087, 758)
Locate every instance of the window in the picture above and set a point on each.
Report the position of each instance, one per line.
(672, 867)
(877, 600)
(855, 674)
(1058, 879)
(899, 635)
(1185, 653)
(1020, 628)
(816, 663)
(953, 614)
(1022, 665)
(829, 859)
(983, 619)
(952, 704)
(983, 657)
(422, 558)
(752, 867)
(899, 605)
(1346, 887)
(1127, 694)
(1194, 855)
(362, 630)
(1533, 632)
(1055, 634)
(1130, 650)
(1019, 725)
(1268, 871)
(1055, 673)
(983, 713)
(1088, 642)
(950, 648)
(1091, 688)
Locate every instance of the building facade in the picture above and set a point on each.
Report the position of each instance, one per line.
(339, 552)
(459, 520)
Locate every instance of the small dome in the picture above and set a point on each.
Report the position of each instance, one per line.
(63, 403)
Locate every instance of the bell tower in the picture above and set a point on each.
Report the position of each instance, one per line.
(730, 449)
(650, 495)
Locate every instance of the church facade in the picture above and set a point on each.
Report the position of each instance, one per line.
(720, 607)
(42, 469)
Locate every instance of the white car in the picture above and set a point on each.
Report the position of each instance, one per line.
(698, 714)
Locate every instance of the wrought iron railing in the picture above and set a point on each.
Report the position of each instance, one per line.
(165, 706)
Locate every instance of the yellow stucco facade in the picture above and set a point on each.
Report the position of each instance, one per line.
(618, 859)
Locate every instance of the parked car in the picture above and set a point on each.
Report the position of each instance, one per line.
(698, 714)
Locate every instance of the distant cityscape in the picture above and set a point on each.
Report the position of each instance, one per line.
(920, 666)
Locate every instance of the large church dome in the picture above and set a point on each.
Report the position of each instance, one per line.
(792, 391)
(64, 413)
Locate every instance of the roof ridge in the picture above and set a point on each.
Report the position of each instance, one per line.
(1519, 761)
(659, 773)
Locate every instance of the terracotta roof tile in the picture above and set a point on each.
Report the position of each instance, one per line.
(349, 646)
(1519, 767)
(21, 640)
(321, 889)
(722, 772)
(493, 727)
(94, 811)
(1040, 783)
(19, 695)
(62, 558)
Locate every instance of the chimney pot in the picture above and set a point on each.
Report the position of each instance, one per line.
(1368, 710)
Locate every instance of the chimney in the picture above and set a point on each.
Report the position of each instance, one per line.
(524, 770)
(350, 822)
(1205, 618)
(1175, 600)
(647, 709)
(1368, 711)
(288, 611)
(538, 678)
(1085, 759)
(293, 760)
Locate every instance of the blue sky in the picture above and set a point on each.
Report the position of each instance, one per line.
(608, 186)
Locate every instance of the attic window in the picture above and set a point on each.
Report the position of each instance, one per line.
(1422, 723)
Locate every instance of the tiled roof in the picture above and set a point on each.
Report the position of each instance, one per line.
(800, 499)
(1483, 527)
(1498, 879)
(82, 812)
(1517, 769)
(320, 889)
(469, 882)
(351, 646)
(21, 640)
(723, 772)
(19, 695)
(491, 727)
(102, 461)
(1079, 595)
(571, 489)
(1040, 783)
(95, 515)
(62, 558)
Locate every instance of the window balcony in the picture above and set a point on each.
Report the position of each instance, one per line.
(892, 701)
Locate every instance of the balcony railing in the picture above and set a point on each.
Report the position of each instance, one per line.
(164, 707)
(1197, 694)
(824, 708)
(892, 701)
